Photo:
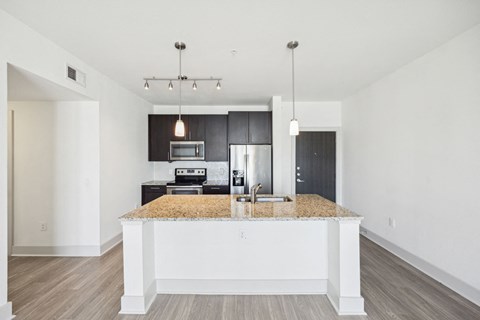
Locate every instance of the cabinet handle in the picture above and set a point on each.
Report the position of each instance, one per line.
(215, 188)
(189, 135)
(154, 188)
(168, 155)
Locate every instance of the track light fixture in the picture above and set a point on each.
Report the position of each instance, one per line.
(146, 85)
(180, 78)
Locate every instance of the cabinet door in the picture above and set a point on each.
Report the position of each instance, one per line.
(238, 127)
(159, 127)
(216, 143)
(216, 190)
(196, 128)
(150, 193)
(260, 127)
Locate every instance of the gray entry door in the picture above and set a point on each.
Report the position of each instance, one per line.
(315, 169)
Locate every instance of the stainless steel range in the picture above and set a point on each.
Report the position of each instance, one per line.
(187, 181)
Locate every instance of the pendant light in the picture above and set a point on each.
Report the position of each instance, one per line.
(294, 122)
(180, 126)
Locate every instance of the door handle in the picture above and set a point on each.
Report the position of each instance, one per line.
(300, 180)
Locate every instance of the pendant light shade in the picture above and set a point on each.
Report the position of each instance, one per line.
(294, 122)
(294, 127)
(179, 128)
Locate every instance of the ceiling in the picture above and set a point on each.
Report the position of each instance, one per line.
(344, 44)
(26, 86)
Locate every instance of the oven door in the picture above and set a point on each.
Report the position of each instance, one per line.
(189, 190)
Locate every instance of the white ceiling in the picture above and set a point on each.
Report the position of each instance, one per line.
(26, 86)
(344, 44)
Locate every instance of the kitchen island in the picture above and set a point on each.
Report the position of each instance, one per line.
(214, 244)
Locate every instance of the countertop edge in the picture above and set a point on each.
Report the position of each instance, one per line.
(241, 219)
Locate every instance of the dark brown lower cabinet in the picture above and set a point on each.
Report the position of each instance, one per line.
(216, 189)
(150, 193)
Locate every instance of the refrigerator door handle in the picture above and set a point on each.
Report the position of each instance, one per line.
(247, 180)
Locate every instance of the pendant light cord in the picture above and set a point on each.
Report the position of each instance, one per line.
(293, 80)
(180, 84)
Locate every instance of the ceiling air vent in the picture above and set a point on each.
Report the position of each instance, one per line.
(76, 75)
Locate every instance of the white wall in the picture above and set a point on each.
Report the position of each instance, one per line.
(123, 125)
(123, 155)
(312, 116)
(412, 152)
(56, 173)
(5, 306)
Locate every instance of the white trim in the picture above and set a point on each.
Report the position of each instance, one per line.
(241, 287)
(6, 311)
(67, 251)
(348, 305)
(338, 159)
(138, 304)
(459, 286)
(109, 244)
(56, 251)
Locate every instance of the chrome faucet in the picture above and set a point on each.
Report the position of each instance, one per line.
(253, 192)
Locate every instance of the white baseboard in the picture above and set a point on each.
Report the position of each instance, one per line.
(56, 251)
(138, 304)
(452, 282)
(107, 245)
(67, 251)
(241, 287)
(345, 305)
(6, 311)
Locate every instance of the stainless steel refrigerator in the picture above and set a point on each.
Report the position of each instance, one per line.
(249, 165)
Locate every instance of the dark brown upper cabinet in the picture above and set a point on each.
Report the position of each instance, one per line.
(249, 127)
(260, 127)
(196, 128)
(160, 131)
(209, 128)
(216, 142)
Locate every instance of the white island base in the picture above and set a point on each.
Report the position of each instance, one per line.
(242, 257)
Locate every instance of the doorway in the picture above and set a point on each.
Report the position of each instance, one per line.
(315, 159)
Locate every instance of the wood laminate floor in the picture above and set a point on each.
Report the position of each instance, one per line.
(90, 288)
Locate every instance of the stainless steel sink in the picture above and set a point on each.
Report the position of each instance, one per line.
(265, 199)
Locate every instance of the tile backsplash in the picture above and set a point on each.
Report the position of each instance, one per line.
(215, 170)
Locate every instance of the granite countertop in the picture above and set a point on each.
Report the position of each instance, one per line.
(156, 183)
(216, 183)
(226, 208)
(207, 183)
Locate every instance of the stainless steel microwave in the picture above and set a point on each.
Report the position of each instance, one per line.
(187, 150)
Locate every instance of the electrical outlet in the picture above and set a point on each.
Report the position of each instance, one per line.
(243, 235)
(170, 171)
(392, 223)
(43, 226)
